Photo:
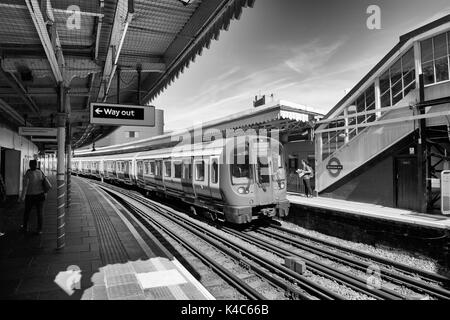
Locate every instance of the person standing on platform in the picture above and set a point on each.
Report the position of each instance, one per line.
(2, 203)
(306, 173)
(34, 192)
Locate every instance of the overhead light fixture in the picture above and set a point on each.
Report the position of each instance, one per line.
(185, 2)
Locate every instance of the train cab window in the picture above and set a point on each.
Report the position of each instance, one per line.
(241, 171)
(167, 169)
(214, 171)
(200, 171)
(178, 169)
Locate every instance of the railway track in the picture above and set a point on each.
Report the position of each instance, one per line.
(419, 280)
(271, 272)
(210, 247)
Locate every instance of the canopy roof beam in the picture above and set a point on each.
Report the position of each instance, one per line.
(52, 49)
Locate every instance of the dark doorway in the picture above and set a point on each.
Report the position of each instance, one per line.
(407, 182)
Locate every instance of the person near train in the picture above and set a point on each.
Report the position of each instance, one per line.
(34, 192)
(306, 173)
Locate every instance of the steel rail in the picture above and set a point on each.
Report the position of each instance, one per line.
(428, 276)
(240, 284)
(282, 271)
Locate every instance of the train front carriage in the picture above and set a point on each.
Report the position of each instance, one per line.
(254, 180)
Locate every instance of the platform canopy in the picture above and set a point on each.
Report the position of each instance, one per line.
(48, 47)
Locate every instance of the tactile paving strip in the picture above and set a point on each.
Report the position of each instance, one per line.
(111, 248)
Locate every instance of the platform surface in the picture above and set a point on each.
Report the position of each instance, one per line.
(372, 211)
(109, 255)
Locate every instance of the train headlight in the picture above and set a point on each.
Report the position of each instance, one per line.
(241, 190)
(282, 185)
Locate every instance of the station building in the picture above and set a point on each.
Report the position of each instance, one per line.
(387, 141)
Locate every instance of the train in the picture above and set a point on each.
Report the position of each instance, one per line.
(239, 180)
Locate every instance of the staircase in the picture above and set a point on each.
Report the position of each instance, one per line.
(369, 143)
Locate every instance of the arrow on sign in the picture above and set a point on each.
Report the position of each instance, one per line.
(98, 111)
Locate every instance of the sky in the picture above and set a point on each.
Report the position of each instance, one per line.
(305, 51)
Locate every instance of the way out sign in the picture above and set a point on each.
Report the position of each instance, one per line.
(122, 115)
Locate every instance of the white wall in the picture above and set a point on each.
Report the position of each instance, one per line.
(11, 140)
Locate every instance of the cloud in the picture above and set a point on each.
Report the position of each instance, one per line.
(311, 56)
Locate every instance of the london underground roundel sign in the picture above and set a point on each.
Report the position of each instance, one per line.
(334, 167)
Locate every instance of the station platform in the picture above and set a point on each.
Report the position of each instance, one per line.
(421, 235)
(108, 255)
(373, 211)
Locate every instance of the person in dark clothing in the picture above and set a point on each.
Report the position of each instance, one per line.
(34, 195)
(308, 173)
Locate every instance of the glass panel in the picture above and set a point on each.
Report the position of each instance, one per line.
(408, 61)
(441, 69)
(440, 46)
(214, 171)
(200, 171)
(158, 168)
(384, 82)
(396, 72)
(177, 166)
(152, 167)
(361, 107)
(412, 86)
(187, 172)
(370, 97)
(146, 170)
(427, 50)
(263, 169)
(241, 170)
(397, 98)
(168, 169)
(409, 77)
(397, 91)
(428, 72)
(386, 99)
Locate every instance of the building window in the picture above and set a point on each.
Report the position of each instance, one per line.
(132, 134)
(399, 80)
(435, 58)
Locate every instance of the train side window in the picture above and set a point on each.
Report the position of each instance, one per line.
(214, 171)
(152, 167)
(145, 167)
(187, 171)
(178, 169)
(158, 164)
(167, 169)
(200, 170)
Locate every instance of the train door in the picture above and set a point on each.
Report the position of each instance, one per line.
(263, 173)
(140, 172)
(186, 180)
(201, 177)
(214, 182)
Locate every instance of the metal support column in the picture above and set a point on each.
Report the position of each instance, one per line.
(139, 71)
(61, 171)
(69, 167)
(421, 153)
(118, 85)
